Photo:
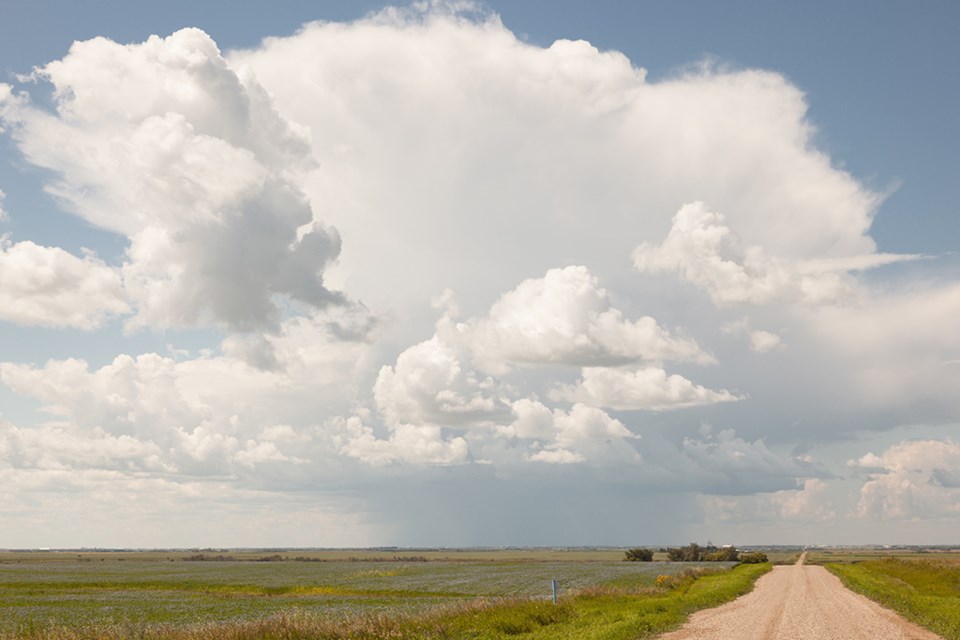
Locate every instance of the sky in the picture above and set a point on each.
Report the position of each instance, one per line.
(345, 274)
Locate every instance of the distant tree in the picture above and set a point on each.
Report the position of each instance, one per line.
(638, 555)
(689, 553)
(724, 554)
(753, 558)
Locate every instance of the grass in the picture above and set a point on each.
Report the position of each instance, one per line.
(833, 556)
(113, 597)
(926, 591)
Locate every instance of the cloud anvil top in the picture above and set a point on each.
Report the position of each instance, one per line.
(394, 279)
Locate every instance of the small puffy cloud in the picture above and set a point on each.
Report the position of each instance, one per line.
(3, 212)
(564, 437)
(532, 420)
(647, 389)
(413, 444)
(166, 144)
(421, 444)
(269, 447)
(704, 251)
(555, 456)
(912, 479)
(565, 317)
(584, 423)
(47, 286)
(432, 383)
(759, 341)
(764, 341)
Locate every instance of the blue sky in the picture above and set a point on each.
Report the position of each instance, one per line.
(456, 274)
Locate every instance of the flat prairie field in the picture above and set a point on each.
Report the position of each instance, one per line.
(846, 556)
(62, 590)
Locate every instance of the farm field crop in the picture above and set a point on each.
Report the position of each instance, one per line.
(93, 595)
(853, 555)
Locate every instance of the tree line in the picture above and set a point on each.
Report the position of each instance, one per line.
(695, 553)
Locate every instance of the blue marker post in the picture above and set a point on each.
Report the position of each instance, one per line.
(554, 584)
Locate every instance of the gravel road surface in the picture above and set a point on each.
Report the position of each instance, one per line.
(799, 602)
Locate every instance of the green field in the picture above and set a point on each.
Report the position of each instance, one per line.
(318, 595)
(846, 556)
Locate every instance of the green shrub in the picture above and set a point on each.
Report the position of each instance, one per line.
(638, 555)
(726, 554)
(689, 553)
(753, 558)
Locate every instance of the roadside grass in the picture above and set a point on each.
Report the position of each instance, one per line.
(924, 591)
(622, 605)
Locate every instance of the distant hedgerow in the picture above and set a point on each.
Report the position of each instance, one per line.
(695, 553)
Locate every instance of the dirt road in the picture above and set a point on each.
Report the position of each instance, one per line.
(799, 602)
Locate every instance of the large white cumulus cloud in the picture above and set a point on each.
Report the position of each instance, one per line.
(164, 143)
(534, 154)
